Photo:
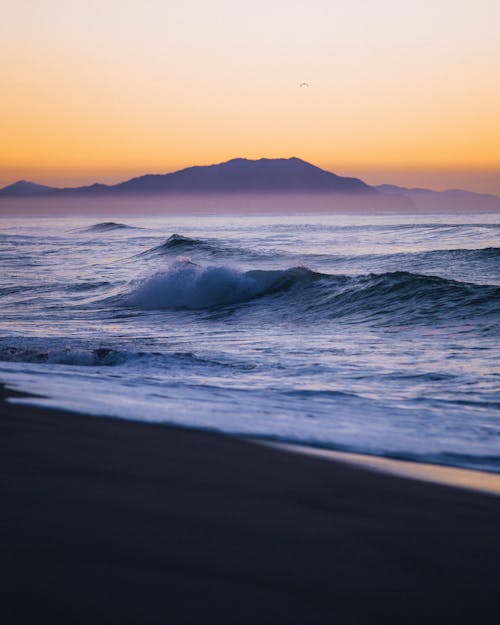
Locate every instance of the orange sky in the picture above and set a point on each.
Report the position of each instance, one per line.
(399, 91)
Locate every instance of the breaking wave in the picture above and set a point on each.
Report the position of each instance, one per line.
(186, 285)
(63, 356)
(56, 352)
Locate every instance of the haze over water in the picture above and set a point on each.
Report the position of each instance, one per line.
(375, 334)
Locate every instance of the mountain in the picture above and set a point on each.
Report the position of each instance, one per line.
(452, 199)
(25, 188)
(243, 175)
(235, 176)
(92, 189)
(266, 176)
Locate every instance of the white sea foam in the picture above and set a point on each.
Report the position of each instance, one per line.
(187, 285)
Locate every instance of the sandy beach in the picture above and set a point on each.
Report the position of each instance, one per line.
(108, 521)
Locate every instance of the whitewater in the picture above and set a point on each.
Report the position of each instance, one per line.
(376, 334)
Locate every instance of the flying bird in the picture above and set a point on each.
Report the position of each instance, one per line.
(304, 84)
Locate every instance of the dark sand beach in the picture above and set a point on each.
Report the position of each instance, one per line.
(108, 521)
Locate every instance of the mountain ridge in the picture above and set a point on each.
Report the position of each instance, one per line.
(263, 176)
(235, 175)
(23, 188)
(425, 199)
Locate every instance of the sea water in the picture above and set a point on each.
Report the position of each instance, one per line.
(377, 334)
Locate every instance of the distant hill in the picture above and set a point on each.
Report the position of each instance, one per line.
(452, 199)
(24, 188)
(92, 189)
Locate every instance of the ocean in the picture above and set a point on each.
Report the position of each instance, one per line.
(377, 334)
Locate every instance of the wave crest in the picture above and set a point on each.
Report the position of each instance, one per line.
(107, 226)
(57, 352)
(101, 356)
(188, 285)
(305, 293)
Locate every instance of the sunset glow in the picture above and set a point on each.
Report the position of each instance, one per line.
(108, 90)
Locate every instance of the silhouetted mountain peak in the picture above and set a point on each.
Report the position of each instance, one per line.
(25, 187)
(263, 175)
(238, 175)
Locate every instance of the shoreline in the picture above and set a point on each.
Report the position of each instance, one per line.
(114, 521)
(446, 475)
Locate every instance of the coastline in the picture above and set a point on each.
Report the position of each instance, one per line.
(446, 475)
(117, 521)
(469, 479)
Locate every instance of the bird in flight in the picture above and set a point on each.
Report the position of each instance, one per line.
(304, 84)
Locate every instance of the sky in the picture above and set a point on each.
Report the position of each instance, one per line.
(398, 91)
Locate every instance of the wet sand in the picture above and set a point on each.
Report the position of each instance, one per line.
(470, 479)
(108, 521)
